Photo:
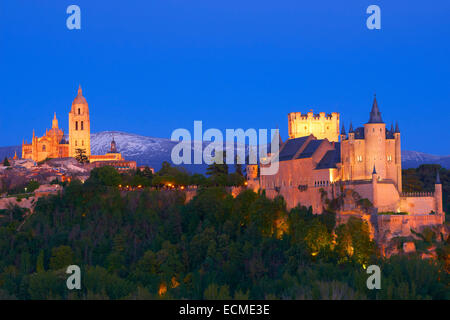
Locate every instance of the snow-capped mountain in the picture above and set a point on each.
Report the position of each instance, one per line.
(153, 151)
(413, 159)
(145, 150)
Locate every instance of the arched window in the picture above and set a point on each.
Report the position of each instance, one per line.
(43, 147)
(75, 143)
(79, 110)
(82, 126)
(82, 142)
(76, 125)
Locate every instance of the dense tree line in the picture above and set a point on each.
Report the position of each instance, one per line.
(150, 244)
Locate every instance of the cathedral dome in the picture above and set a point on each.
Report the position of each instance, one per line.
(79, 99)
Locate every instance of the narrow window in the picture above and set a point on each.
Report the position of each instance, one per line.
(76, 125)
(82, 125)
(75, 143)
(79, 110)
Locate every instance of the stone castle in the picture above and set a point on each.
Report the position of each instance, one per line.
(359, 172)
(54, 144)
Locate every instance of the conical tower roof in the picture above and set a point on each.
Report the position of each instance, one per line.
(375, 114)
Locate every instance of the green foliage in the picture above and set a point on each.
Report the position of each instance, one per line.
(353, 241)
(6, 162)
(150, 244)
(104, 176)
(62, 257)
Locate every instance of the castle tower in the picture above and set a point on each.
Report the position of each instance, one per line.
(438, 194)
(79, 126)
(375, 142)
(320, 125)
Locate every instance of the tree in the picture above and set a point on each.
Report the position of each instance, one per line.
(40, 262)
(218, 167)
(6, 162)
(62, 257)
(106, 176)
(80, 155)
(214, 292)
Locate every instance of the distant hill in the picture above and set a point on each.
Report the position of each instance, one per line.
(413, 159)
(153, 151)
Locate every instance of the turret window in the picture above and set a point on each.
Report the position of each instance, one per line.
(82, 126)
(76, 125)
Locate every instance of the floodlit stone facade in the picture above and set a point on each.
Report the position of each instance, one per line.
(322, 126)
(54, 144)
(361, 174)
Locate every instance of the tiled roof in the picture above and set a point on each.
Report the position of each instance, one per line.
(310, 149)
(331, 158)
(291, 147)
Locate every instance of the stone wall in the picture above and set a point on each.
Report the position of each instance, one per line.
(417, 205)
(400, 225)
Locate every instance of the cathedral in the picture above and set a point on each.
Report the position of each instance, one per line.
(54, 144)
(318, 162)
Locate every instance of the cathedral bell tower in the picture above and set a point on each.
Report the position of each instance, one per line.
(79, 126)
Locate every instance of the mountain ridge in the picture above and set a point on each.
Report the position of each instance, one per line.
(153, 151)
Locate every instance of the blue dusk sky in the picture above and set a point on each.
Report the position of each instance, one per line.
(149, 67)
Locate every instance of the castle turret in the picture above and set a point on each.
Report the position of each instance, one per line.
(343, 134)
(438, 194)
(79, 126)
(351, 132)
(374, 187)
(398, 157)
(375, 142)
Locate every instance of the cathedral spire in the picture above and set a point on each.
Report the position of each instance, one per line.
(343, 129)
(80, 92)
(374, 170)
(397, 130)
(54, 122)
(375, 114)
(350, 130)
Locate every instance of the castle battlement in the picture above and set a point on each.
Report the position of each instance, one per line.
(321, 125)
